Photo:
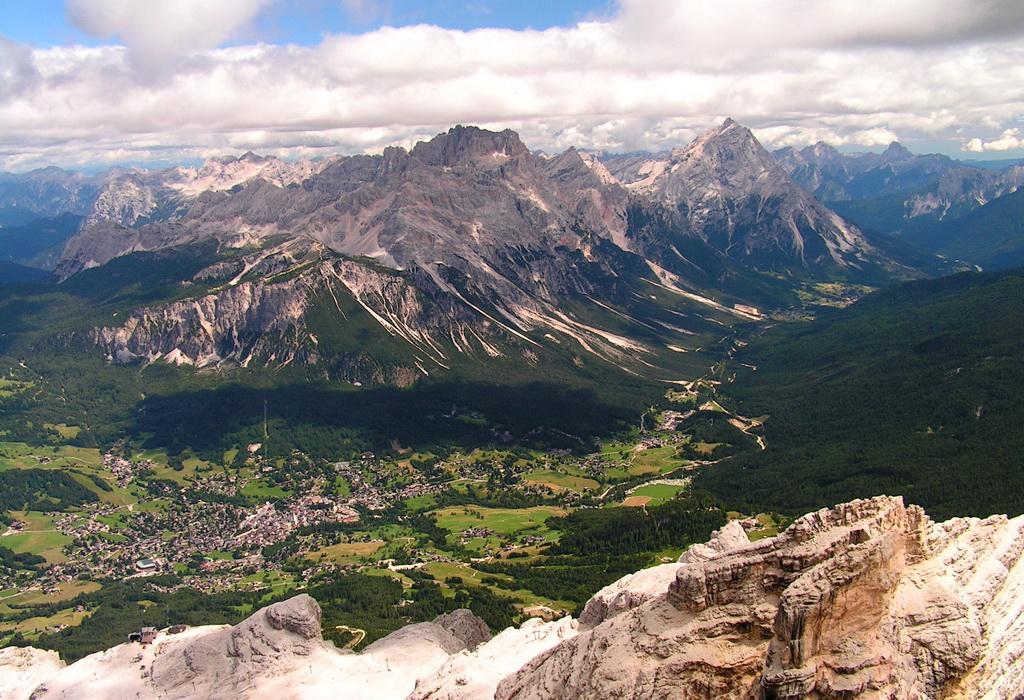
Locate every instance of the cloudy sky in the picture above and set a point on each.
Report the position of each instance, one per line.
(91, 83)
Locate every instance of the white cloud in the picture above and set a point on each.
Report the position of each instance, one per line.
(17, 72)
(1007, 141)
(650, 77)
(159, 32)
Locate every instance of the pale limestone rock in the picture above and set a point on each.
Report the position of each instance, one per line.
(22, 670)
(474, 675)
(627, 593)
(632, 590)
(869, 599)
(731, 536)
(277, 653)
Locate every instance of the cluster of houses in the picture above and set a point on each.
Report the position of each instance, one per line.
(378, 494)
(474, 532)
(205, 516)
(271, 523)
(122, 469)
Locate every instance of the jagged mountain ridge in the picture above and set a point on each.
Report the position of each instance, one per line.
(921, 187)
(47, 192)
(733, 194)
(490, 240)
(867, 599)
(833, 176)
(258, 310)
(136, 196)
(498, 251)
(388, 208)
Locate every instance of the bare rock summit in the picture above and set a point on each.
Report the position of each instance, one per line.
(869, 599)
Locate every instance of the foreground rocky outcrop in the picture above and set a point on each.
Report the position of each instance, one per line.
(869, 599)
(22, 669)
(278, 652)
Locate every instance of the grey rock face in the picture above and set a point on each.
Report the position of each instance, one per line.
(260, 313)
(733, 194)
(962, 189)
(465, 626)
(939, 186)
(49, 191)
(488, 244)
(868, 599)
(226, 663)
(468, 243)
(475, 201)
(450, 635)
(299, 615)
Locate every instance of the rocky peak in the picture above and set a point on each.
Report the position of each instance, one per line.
(579, 167)
(869, 599)
(730, 155)
(250, 157)
(469, 629)
(597, 167)
(896, 152)
(299, 615)
(822, 151)
(739, 198)
(788, 154)
(462, 145)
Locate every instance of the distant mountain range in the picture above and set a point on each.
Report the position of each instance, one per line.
(948, 207)
(472, 245)
(912, 197)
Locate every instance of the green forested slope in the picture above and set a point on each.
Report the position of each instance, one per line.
(917, 390)
(991, 236)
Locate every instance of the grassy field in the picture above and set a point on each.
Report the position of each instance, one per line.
(152, 505)
(82, 463)
(33, 626)
(656, 493)
(261, 488)
(116, 496)
(186, 476)
(219, 554)
(616, 450)
(472, 578)
(20, 455)
(705, 448)
(657, 460)
(561, 481)
(769, 527)
(68, 432)
(503, 521)
(66, 591)
(419, 504)
(39, 537)
(275, 582)
(506, 523)
(116, 521)
(346, 552)
(10, 387)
